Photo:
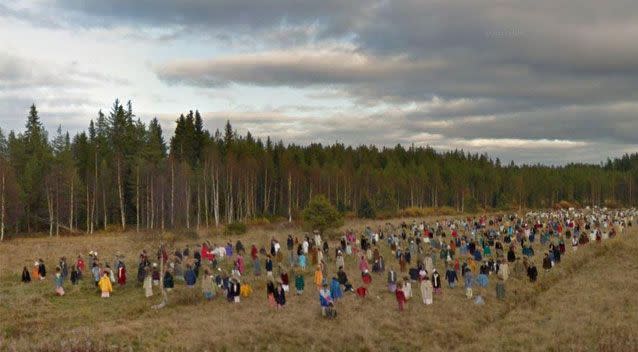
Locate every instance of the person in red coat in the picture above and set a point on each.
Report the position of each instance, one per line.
(121, 274)
(79, 263)
(400, 297)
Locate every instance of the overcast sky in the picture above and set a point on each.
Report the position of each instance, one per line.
(549, 81)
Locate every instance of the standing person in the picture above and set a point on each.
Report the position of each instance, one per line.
(407, 288)
(392, 280)
(121, 273)
(318, 280)
(64, 268)
(436, 282)
(239, 263)
(169, 281)
(105, 285)
(532, 272)
(300, 283)
(26, 276)
(79, 264)
(426, 290)
(148, 284)
(75, 275)
(469, 281)
(95, 271)
(270, 293)
(451, 277)
(233, 290)
(207, 285)
(400, 296)
(269, 266)
(190, 277)
(303, 261)
(500, 289)
(280, 296)
(42, 269)
(285, 280)
(59, 279)
(36, 270)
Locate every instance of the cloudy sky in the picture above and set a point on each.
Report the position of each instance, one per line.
(550, 81)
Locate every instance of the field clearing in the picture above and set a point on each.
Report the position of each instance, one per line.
(587, 302)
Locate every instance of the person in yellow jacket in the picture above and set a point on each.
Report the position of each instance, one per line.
(105, 285)
(318, 277)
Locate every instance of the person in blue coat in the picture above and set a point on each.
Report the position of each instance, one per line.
(469, 282)
(482, 280)
(451, 276)
(190, 277)
(335, 289)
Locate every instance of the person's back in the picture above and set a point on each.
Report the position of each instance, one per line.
(189, 277)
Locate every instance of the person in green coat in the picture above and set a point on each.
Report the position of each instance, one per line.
(300, 282)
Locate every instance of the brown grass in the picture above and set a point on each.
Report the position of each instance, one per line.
(587, 303)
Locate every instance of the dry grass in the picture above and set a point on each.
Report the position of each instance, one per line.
(587, 303)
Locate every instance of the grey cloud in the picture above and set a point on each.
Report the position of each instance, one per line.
(294, 68)
(615, 123)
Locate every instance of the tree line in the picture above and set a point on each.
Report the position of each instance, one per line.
(122, 174)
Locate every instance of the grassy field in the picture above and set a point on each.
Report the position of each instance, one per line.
(587, 303)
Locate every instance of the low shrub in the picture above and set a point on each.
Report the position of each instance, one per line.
(235, 228)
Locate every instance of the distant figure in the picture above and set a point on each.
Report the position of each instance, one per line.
(300, 283)
(42, 269)
(148, 284)
(400, 296)
(426, 290)
(75, 275)
(207, 285)
(105, 285)
(280, 296)
(532, 272)
(26, 277)
(59, 279)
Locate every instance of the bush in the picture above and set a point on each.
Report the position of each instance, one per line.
(235, 228)
(366, 210)
(258, 221)
(320, 215)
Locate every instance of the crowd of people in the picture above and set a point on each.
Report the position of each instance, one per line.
(470, 251)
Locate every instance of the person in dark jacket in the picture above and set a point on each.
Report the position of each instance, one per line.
(280, 296)
(42, 269)
(75, 275)
(451, 276)
(532, 272)
(26, 276)
(270, 293)
(233, 291)
(169, 282)
(547, 262)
